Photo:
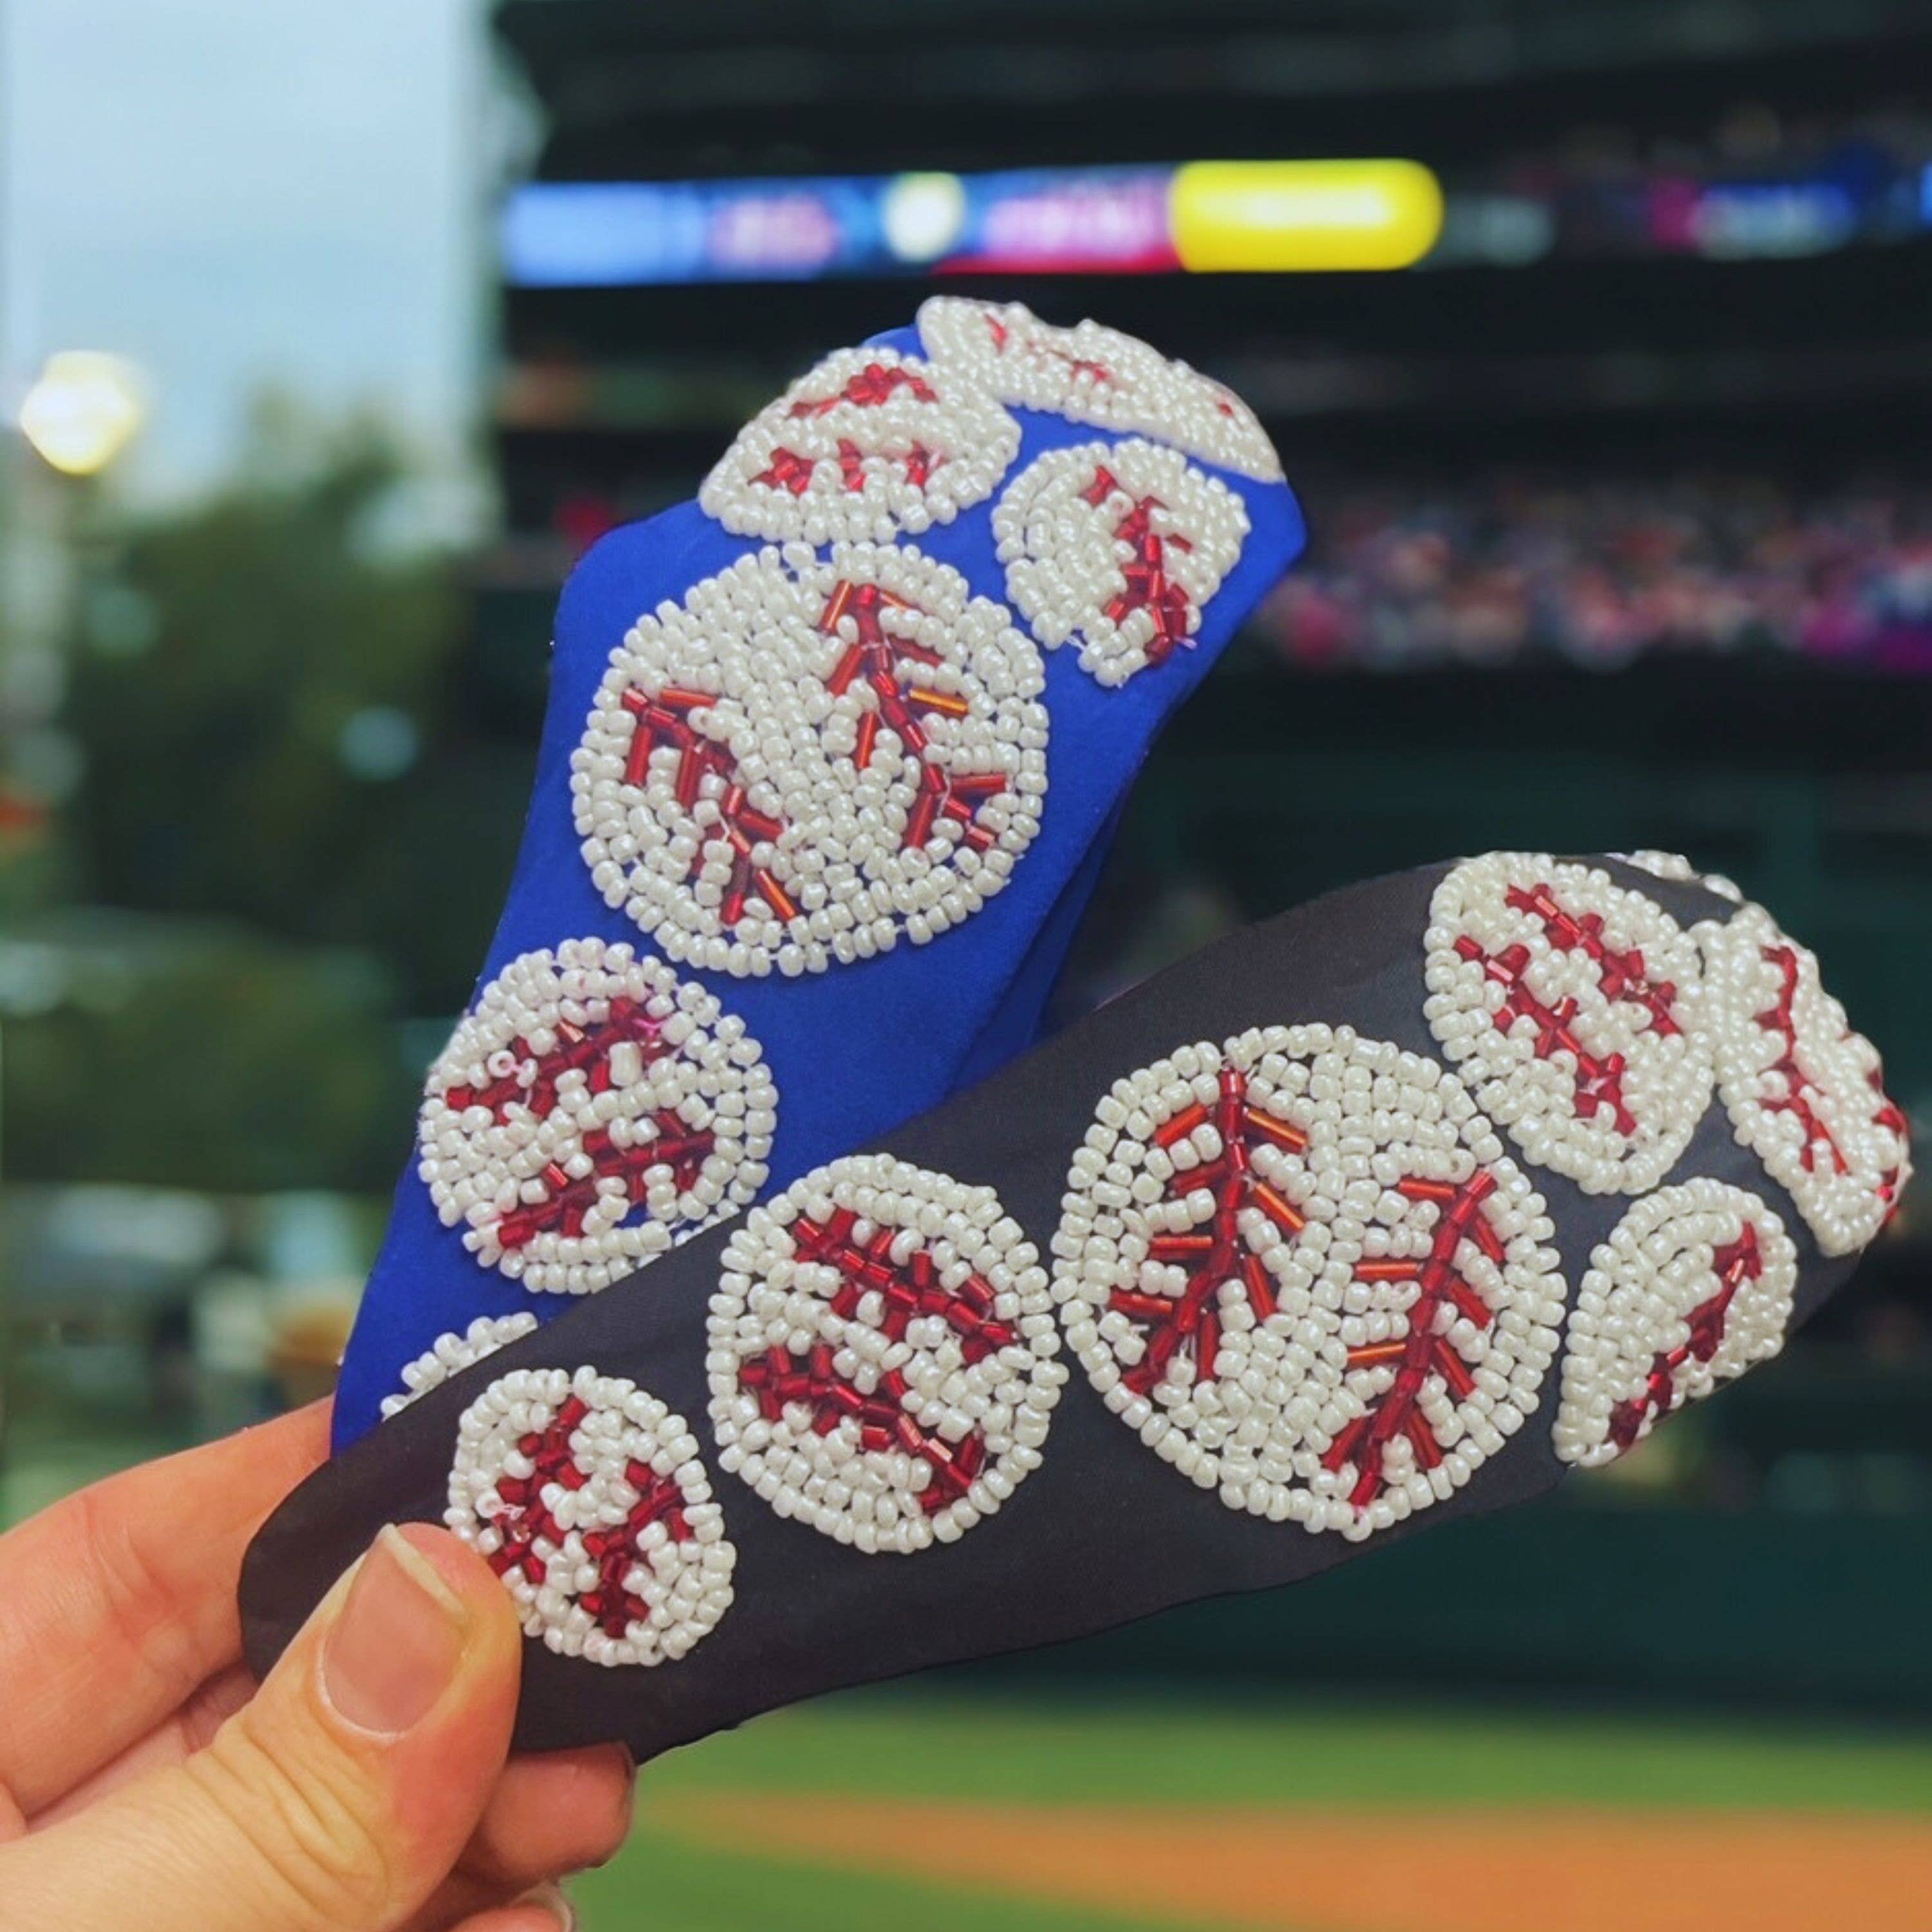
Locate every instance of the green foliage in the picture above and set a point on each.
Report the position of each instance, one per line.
(178, 1055)
(229, 652)
(291, 833)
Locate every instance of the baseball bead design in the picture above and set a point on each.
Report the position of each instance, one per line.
(1091, 374)
(882, 1354)
(805, 761)
(869, 443)
(1574, 1011)
(592, 1110)
(1300, 1266)
(1693, 1287)
(450, 1353)
(1117, 547)
(1675, 865)
(1804, 1091)
(587, 1497)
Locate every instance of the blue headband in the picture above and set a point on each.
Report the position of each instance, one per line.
(831, 759)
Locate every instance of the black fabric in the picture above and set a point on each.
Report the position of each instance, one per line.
(1104, 1531)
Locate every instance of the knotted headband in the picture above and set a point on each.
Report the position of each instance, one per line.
(1394, 1207)
(830, 763)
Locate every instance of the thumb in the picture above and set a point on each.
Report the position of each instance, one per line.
(336, 1801)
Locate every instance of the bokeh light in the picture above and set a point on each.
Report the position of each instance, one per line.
(85, 408)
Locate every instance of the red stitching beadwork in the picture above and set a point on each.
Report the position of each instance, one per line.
(588, 1498)
(1149, 587)
(908, 1289)
(1803, 1090)
(875, 656)
(1599, 1079)
(866, 445)
(586, 1085)
(1422, 1353)
(1092, 374)
(873, 385)
(1691, 1289)
(665, 720)
(1118, 547)
(881, 1365)
(1799, 1087)
(1897, 1122)
(1599, 1082)
(528, 1517)
(1622, 975)
(1324, 1229)
(809, 762)
(682, 1148)
(1572, 1005)
(1188, 1321)
(782, 1377)
(1741, 1262)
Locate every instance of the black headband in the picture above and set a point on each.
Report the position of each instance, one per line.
(1391, 1208)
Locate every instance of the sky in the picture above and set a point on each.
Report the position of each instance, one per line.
(237, 193)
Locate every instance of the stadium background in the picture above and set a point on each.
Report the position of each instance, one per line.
(1622, 537)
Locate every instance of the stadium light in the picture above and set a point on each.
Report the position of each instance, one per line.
(84, 409)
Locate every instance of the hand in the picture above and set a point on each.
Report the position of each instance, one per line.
(363, 1787)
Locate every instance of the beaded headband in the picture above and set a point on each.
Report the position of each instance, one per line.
(831, 758)
(1395, 1208)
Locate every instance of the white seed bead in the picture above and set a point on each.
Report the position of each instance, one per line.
(510, 1105)
(1362, 1148)
(868, 444)
(450, 1353)
(788, 821)
(1804, 1091)
(1089, 373)
(671, 1564)
(1074, 524)
(1693, 1287)
(939, 1397)
(1575, 1011)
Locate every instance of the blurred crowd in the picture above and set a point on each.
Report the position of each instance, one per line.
(1486, 569)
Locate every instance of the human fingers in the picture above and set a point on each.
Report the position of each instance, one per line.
(337, 1799)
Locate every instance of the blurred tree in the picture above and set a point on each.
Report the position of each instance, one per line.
(190, 1053)
(288, 839)
(269, 694)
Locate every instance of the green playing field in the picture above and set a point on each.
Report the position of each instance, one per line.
(907, 1746)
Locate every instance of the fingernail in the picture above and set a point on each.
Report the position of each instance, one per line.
(551, 1898)
(397, 1641)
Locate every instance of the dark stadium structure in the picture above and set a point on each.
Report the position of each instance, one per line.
(1622, 538)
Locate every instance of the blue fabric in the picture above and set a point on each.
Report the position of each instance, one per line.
(857, 1049)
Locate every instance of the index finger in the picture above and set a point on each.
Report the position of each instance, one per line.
(116, 1603)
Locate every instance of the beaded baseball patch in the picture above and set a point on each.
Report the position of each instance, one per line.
(1805, 1092)
(1574, 1010)
(591, 1111)
(587, 1497)
(451, 1354)
(1091, 374)
(804, 761)
(868, 444)
(1675, 865)
(1301, 1267)
(1117, 547)
(882, 1355)
(1693, 1287)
